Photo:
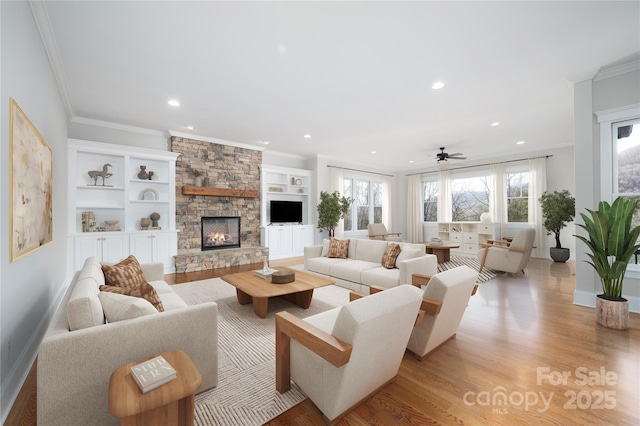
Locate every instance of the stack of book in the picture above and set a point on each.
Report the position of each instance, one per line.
(265, 273)
(152, 373)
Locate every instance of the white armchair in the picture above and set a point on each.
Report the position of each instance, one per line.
(377, 231)
(445, 299)
(341, 356)
(510, 257)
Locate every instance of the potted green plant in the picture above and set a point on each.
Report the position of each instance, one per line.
(331, 209)
(612, 240)
(558, 208)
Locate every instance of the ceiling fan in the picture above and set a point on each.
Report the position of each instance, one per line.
(444, 156)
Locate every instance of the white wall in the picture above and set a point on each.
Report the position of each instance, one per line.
(590, 97)
(100, 131)
(30, 287)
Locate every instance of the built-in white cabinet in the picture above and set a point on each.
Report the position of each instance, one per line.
(287, 240)
(154, 246)
(106, 246)
(286, 184)
(119, 186)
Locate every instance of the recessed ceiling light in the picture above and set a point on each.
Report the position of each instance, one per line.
(411, 161)
(265, 142)
(190, 127)
(520, 143)
(373, 152)
(494, 124)
(437, 85)
(173, 102)
(307, 136)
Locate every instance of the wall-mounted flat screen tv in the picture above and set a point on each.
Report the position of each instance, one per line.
(286, 211)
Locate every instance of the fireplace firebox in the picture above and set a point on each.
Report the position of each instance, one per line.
(220, 232)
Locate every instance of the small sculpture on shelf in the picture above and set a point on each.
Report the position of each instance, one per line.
(88, 222)
(142, 174)
(150, 175)
(104, 174)
(155, 217)
(144, 223)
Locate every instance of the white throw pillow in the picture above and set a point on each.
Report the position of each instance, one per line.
(325, 248)
(407, 253)
(119, 307)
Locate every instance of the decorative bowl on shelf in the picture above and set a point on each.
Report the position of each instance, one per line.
(111, 222)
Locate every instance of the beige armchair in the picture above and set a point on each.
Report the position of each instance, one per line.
(377, 231)
(510, 257)
(342, 356)
(445, 299)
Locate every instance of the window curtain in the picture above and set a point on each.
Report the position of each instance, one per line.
(538, 185)
(497, 201)
(386, 203)
(414, 209)
(445, 212)
(337, 184)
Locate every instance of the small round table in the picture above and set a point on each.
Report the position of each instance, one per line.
(170, 404)
(440, 250)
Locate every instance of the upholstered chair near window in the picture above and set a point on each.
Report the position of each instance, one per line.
(342, 356)
(445, 299)
(510, 257)
(377, 231)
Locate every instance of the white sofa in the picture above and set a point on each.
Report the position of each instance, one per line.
(363, 267)
(74, 367)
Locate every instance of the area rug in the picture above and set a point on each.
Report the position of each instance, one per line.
(455, 261)
(246, 393)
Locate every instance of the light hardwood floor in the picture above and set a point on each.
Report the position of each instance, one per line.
(517, 336)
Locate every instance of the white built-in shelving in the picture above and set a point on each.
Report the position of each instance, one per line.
(122, 197)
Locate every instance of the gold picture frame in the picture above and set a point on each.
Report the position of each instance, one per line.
(30, 186)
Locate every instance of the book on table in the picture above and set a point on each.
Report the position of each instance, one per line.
(152, 373)
(265, 273)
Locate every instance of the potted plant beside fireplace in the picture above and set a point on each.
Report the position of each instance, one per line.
(612, 240)
(558, 208)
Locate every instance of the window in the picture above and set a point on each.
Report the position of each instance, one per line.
(469, 198)
(626, 163)
(517, 195)
(367, 203)
(430, 196)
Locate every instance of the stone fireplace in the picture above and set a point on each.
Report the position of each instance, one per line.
(234, 171)
(220, 232)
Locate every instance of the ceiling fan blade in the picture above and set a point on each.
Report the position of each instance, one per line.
(458, 158)
(456, 154)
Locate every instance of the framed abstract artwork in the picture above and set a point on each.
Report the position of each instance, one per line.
(30, 186)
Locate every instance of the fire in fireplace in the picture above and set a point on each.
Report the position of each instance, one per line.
(220, 232)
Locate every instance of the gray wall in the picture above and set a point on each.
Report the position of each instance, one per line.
(30, 287)
(591, 97)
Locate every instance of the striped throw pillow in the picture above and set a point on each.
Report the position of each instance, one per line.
(338, 248)
(390, 255)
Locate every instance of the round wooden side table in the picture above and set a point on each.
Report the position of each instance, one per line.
(170, 404)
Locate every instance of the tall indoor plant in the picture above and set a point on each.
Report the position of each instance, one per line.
(612, 241)
(331, 209)
(558, 208)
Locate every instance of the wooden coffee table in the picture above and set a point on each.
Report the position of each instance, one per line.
(441, 250)
(250, 288)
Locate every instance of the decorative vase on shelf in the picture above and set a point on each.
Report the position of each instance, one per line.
(155, 217)
(198, 181)
(144, 223)
(142, 174)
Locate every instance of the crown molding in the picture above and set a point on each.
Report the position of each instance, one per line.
(41, 17)
(214, 140)
(118, 126)
(617, 70)
(584, 76)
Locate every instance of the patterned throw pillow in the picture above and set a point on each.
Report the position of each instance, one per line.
(338, 248)
(127, 273)
(390, 255)
(145, 291)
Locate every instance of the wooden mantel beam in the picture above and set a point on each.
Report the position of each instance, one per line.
(219, 192)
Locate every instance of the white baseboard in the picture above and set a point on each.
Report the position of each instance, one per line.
(18, 374)
(588, 298)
